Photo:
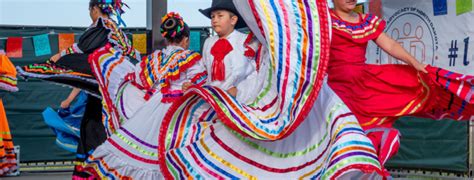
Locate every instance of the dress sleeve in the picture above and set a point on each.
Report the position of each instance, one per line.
(145, 71)
(93, 38)
(187, 65)
(379, 26)
(369, 29)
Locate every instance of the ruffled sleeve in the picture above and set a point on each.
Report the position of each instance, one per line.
(119, 39)
(98, 35)
(93, 38)
(146, 73)
(369, 29)
(152, 73)
(184, 63)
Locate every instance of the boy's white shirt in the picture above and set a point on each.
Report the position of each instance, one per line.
(237, 66)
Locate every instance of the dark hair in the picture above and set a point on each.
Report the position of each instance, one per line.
(110, 7)
(173, 28)
(97, 3)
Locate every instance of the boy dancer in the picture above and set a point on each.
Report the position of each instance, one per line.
(224, 56)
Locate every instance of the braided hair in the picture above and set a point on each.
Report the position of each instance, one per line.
(111, 8)
(173, 28)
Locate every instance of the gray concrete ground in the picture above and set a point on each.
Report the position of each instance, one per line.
(40, 176)
(67, 176)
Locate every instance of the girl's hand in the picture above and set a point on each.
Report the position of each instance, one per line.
(55, 58)
(232, 91)
(186, 86)
(420, 67)
(65, 104)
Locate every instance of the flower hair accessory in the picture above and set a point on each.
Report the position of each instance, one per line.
(114, 7)
(172, 24)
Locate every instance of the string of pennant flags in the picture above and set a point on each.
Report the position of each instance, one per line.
(42, 45)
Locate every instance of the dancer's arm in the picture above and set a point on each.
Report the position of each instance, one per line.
(67, 102)
(396, 50)
(94, 37)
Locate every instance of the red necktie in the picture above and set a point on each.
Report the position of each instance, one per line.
(220, 49)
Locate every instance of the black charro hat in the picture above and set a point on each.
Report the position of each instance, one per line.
(224, 5)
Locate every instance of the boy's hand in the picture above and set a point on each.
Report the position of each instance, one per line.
(232, 91)
(186, 86)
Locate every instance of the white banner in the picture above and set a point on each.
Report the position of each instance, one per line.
(444, 40)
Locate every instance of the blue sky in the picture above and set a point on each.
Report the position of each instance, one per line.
(75, 12)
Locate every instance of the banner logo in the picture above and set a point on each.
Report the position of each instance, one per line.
(414, 30)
